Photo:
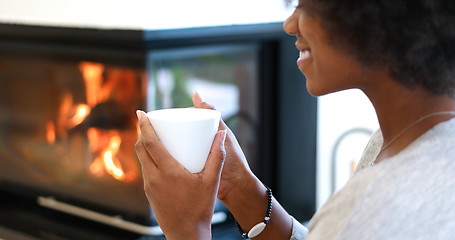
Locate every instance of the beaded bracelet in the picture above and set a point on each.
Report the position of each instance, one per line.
(258, 228)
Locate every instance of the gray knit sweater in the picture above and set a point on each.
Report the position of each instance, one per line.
(408, 196)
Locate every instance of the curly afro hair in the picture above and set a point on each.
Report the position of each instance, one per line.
(415, 39)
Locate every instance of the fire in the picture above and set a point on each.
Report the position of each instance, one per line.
(96, 167)
(81, 112)
(93, 77)
(107, 145)
(113, 167)
(106, 161)
(50, 132)
(93, 137)
(138, 129)
(103, 86)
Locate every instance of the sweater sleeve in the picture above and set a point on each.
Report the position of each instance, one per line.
(298, 230)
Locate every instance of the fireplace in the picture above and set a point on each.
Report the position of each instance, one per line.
(68, 127)
(68, 99)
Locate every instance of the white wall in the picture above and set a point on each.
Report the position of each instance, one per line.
(142, 14)
(337, 114)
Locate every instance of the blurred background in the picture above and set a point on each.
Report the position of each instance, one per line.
(140, 14)
(72, 74)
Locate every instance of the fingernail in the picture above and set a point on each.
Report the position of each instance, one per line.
(139, 115)
(199, 97)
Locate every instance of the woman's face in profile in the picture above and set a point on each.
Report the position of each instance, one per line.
(326, 68)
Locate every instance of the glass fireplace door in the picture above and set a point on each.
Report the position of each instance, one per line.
(68, 128)
(225, 75)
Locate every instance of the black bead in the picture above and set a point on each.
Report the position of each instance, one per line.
(267, 213)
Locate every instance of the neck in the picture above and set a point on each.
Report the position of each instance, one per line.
(398, 107)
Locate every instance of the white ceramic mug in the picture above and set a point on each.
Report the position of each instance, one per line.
(186, 133)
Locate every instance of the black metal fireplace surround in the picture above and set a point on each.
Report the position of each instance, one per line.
(67, 121)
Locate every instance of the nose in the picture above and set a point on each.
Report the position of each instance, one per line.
(291, 25)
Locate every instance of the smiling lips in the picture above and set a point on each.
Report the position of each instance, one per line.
(304, 54)
(304, 57)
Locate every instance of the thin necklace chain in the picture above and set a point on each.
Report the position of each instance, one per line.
(412, 125)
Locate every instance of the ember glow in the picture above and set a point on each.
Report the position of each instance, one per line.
(106, 161)
(112, 164)
(50, 132)
(81, 112)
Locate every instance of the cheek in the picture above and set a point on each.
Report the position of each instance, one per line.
(331, 73)
(319, 75)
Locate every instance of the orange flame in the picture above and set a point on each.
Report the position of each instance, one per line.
(92, 74)
(138, 129)
(102, 85)
(106, 161)
(50, 132)
(111, 164)
(96, 167)
(82, 111)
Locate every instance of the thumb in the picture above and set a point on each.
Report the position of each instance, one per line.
(216, 157)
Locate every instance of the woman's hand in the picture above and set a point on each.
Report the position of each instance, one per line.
(182, 202)
(236, 171)
(243, 193)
